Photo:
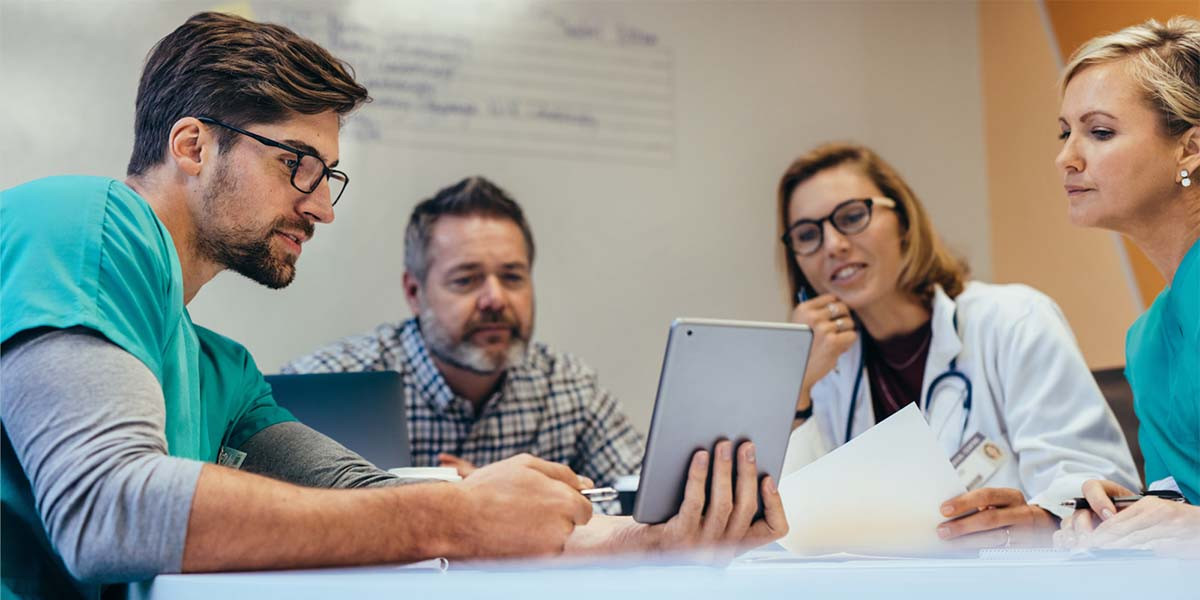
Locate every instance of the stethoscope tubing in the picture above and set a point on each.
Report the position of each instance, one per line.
(951, 372)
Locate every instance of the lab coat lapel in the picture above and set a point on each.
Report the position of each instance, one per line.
(944, 411)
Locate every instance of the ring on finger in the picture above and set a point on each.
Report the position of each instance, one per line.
(838, 324)
(833, 311)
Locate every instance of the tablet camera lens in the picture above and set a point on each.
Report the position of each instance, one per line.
(689, 332)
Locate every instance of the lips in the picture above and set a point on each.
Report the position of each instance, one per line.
(295, 238)
(1073, 190)
(846, 271)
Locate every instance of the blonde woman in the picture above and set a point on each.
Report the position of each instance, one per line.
(1130, 124)
(897, 322)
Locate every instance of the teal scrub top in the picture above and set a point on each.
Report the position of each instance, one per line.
(90, 252)
(1162, 357)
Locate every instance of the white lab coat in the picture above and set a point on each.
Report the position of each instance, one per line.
(1032, 394)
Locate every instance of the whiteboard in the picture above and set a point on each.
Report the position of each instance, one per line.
(644, 140)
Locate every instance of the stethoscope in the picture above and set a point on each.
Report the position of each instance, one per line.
(951, 373)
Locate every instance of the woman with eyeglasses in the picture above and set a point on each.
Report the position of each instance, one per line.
(994, 368)
(1130, 125)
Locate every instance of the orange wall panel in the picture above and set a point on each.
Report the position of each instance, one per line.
(1032, 240)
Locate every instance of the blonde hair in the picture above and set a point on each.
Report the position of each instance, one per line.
(924, 259)
(1163, 59)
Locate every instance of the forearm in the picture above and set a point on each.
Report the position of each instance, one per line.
(296, 453)
(241, 521)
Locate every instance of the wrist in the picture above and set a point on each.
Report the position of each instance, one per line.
(450, 531)
(803, 414)
(804, 404)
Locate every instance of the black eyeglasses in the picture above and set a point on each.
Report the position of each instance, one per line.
(307, 170)
(805, 236)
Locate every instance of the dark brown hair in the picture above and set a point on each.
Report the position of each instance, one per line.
(238, 71)
(925, 261)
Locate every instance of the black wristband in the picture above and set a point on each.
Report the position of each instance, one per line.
(803, 415)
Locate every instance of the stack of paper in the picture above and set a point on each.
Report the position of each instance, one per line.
(881, 493)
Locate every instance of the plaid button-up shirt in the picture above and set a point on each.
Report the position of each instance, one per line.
(549, 406)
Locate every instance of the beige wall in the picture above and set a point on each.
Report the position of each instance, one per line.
(624, 247)
(1032, 242)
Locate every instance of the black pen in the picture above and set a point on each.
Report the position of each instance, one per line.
(1082, 503)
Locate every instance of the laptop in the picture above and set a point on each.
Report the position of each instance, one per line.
(362, 411)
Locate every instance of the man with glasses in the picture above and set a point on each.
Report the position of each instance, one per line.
(477, 388)
(131, 438)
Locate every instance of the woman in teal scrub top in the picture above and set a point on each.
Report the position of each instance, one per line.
(1130, 125)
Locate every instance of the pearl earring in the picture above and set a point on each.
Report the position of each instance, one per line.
(1185, 182)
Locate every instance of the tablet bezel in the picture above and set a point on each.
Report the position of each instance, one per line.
(704, 359)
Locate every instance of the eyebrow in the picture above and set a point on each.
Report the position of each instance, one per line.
(465, 267)
(477, 266)
(1091, 113)
(299, 145)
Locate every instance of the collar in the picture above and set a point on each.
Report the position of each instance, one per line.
(429, 379)
(947, 341)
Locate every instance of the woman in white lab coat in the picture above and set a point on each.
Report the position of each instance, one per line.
(896, 322)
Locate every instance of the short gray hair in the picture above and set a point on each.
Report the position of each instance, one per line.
(473, 196)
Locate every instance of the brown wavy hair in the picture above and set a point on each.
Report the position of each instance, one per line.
(238, 71)
(925, 260)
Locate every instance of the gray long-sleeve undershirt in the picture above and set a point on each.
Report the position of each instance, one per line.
(87, 423)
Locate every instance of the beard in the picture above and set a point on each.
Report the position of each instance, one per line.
(243, 249)
(464, 353)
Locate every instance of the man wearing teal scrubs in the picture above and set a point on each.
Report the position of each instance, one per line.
(116, 406)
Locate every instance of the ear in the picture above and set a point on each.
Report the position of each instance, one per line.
(1189, 153)
(412, 287)
(189, 144)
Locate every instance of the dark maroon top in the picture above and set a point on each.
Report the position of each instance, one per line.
(896, 368)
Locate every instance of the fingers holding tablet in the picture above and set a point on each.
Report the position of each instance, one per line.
(723, 521)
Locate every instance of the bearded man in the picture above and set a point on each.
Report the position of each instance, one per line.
(477, 389)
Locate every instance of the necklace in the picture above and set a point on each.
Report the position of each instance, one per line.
(908, 363)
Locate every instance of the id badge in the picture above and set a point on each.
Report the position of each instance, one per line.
(230, 457)
(978, 460)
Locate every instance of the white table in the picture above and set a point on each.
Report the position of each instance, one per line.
(764, 577)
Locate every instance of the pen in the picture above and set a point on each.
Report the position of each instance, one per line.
(1082, 503)
(603, 494)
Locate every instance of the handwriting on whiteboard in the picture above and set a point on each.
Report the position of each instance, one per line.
(546, 84)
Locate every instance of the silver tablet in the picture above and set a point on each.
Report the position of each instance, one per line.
(732, 380)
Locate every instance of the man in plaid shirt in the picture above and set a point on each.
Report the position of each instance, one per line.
(477, 389)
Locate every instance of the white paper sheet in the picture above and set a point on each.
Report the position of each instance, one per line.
(878, 494)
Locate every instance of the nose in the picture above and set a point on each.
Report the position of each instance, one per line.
(835, 242)
(491, 295)
(318, 205)
(1068, 159)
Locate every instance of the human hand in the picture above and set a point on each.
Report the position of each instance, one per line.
(1003, 519)
(727, 526)
(1080, 524)
(1169, 528)
(521, 506)
(463, 466)
(833, 334)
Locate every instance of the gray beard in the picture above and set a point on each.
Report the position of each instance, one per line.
(463, 354)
